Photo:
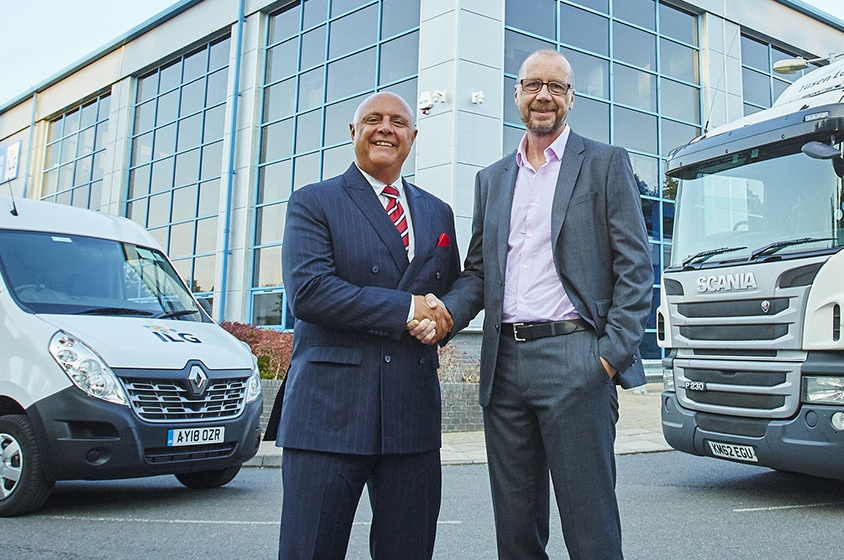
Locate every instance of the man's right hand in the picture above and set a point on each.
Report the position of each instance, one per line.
(431, 320)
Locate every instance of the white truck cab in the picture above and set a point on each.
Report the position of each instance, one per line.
(109, 368)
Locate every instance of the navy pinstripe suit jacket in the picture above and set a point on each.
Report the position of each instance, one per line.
(358, 383)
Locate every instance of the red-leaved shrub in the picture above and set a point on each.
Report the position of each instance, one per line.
(271, 347)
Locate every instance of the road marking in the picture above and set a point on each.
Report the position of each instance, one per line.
(795, 506)
(168, 521)
(189, 521)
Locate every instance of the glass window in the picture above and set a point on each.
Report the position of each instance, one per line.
(306, 170)
(353, 32)
(678, 61)
(592, 74)
(281, 60)
(315, 11)
(534, 16)
(591, 118)
(638, 12)
(676, 134)
(267, 267)
(338, 116)
(279, 100)
(311, 89)
(277, 141)
(351, 75)
(397, 17)
(756, 87)
(399, 58)
(284, 24)
(634, 87)
(585, 30)
(270, 223)
(634, 46)
(76, 141)
(635, 130)
(274, 182)
(308, 127)
(517, 47)
(313, 48)
(754, 54)
(646, 170)
(177, 157)
(680, 101)
(677, 24)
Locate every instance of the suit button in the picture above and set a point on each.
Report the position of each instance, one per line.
(421, 360)
(375, 269)
(387, 359)
(497, 327)
(438, 275)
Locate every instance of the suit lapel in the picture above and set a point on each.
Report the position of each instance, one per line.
(424, 236)
(362, 194)
(501, 203)
(569, 170)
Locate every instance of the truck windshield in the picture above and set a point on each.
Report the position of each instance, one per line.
(757, 204)
(75, 275)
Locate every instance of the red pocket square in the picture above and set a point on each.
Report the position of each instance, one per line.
(444, 240)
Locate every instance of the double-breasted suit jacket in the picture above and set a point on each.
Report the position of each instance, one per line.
(601, 253)
(358, 382)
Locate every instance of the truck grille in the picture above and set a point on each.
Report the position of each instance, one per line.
(167, 400)
(191, 453)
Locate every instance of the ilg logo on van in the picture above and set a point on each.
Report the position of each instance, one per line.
(166, 334)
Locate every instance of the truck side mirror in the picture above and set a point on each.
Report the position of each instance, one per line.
(819, 150)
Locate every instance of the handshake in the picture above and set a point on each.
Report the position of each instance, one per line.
(431, 320)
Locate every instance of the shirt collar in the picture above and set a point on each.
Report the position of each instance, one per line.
(554, 151)
(378, 186)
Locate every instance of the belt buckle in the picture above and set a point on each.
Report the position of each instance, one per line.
(516, 332)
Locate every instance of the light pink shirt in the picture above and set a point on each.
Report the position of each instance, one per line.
(532, 289)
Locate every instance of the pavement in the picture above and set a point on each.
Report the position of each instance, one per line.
(638, 431)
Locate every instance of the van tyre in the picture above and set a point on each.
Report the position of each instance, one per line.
(204, 480)
(23, 487)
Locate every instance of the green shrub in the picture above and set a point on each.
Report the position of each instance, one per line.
(272, 348)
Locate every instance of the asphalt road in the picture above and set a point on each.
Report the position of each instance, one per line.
(673, 506)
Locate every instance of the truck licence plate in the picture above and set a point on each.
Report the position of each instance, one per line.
(733, 451)
(195, 436)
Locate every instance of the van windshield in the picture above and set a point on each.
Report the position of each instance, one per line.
(76, 275)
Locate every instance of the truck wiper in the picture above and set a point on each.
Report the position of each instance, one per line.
(177, 313)
(114, 311)
(703, 255)
(776, 246)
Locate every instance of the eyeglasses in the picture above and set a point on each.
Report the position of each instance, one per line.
(554, 88)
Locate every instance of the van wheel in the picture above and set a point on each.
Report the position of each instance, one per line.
(203, 480)
(23, 487)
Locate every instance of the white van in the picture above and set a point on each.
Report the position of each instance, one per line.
(109, 368)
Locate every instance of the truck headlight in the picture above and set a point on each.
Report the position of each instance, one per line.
(826, 390)
(253, 388)
(86, 369)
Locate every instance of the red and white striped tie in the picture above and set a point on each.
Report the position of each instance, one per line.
(396, 212)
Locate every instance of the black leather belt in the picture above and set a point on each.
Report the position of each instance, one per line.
(530, 331)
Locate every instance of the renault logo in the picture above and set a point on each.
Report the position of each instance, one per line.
(198, 380)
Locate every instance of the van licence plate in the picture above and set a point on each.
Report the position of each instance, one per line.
(733, 451)
(195, 436)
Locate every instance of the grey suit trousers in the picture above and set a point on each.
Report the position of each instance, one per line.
(553, 408)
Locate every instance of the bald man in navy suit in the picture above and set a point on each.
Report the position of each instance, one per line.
(362, 399)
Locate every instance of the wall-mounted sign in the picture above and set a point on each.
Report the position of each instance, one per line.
(9, 161)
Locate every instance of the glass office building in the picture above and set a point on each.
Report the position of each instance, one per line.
(199, 123)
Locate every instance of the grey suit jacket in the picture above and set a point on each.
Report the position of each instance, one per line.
(601, 253)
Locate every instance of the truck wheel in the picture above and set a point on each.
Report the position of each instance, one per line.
(203, 480)
(23, 487)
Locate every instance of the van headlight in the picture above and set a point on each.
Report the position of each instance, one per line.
(86, 369)
(253, 388)
(823, 390)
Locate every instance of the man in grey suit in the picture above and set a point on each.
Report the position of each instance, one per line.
(559, 260)
(362, 398)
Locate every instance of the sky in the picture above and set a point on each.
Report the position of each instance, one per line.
(35, 47)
